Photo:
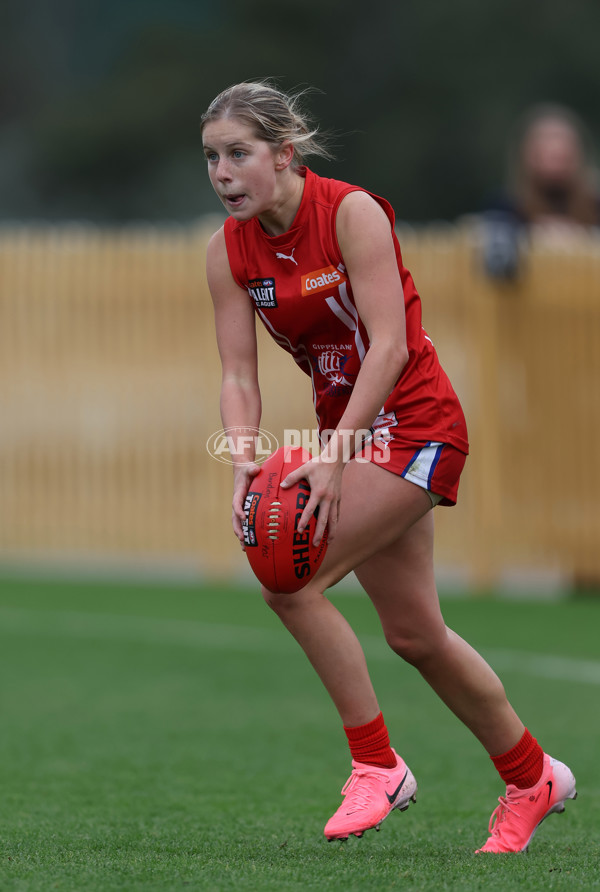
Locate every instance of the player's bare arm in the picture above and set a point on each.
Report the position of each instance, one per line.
(366, 245)
(240, 392)
(365, 240)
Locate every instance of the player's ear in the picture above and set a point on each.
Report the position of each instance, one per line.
(284, 155)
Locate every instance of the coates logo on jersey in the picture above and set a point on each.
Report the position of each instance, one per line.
(322, 279)
(262, 292)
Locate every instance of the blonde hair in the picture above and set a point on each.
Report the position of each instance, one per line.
(273, 115)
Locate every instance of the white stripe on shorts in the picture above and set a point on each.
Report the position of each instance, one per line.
(421, 467)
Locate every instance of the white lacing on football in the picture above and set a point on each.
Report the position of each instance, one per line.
(274, 520)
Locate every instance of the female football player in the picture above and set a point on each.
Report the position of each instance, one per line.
(318, 261)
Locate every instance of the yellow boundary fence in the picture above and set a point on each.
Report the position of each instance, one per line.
(109, 380)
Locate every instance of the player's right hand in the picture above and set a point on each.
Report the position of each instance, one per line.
(242, 475)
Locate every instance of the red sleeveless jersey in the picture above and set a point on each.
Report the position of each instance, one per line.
(299, 287)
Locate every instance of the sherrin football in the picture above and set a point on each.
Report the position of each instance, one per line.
(283, 559)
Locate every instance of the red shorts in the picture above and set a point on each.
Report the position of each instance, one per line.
(435, 467)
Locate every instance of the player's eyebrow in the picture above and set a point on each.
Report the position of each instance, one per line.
(236, 143)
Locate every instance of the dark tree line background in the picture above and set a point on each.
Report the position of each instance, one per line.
(100, 99)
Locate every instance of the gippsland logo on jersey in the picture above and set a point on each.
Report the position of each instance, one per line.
(262, 292)
(331, 363)
(320, 279)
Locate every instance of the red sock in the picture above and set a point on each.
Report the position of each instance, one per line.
(522, 765)
(370, 743)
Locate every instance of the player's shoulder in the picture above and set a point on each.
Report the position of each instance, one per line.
(218, 266)
(224, 232)
(359, 200)
(361, 211)
(346, 199)
(327, 188)
(216, 248)
(217, 237)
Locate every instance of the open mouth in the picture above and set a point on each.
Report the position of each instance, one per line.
(234, 200)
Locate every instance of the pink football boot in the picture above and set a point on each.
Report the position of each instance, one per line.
(514, 822)
(370, 794)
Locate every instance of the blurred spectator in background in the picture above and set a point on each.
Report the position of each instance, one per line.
(552, 190)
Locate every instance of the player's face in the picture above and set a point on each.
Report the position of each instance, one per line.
(241, 167)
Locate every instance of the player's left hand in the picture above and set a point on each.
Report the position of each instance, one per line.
(325, 480)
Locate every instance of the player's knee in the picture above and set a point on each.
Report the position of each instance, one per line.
(414, 648)
(274, 600)
(279, 602)
(288, 604)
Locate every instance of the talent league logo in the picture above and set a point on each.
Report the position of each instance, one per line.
(262, 292)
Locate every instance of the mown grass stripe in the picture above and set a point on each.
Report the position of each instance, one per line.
(249, 639)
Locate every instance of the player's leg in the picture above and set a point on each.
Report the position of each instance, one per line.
(401, 584)
(378, 508)
(335, 652)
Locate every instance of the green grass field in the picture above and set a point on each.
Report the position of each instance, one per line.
(168, 737)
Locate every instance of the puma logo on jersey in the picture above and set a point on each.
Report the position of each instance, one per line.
(320, 279)
(291, 257)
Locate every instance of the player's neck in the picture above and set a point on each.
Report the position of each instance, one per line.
(280, 216)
